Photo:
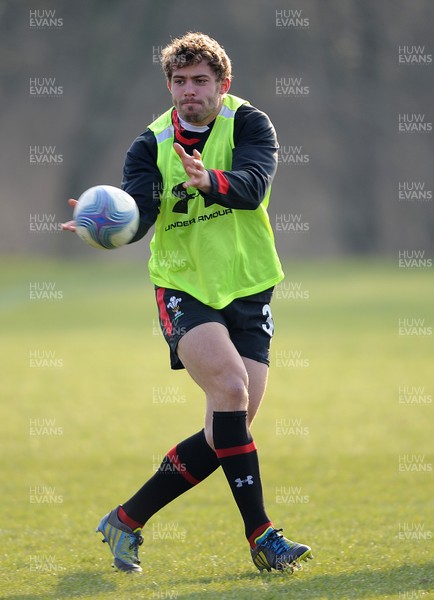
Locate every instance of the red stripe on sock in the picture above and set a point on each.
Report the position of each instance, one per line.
(122, 515)
(164, 315)
(258, 531)
(222, 182)
(174, 459)
(225, 452)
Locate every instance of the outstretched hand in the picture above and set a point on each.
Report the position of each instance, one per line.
(70, 225)
(193, 166)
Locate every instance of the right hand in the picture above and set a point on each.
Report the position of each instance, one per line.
(70, 225)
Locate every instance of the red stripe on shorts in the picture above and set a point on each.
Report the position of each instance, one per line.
(164, 315)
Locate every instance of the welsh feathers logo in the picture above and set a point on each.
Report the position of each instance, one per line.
(173, 304)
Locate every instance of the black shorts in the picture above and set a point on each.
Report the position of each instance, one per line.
(248, 320)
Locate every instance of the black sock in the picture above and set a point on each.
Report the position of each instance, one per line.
(183, 467)
(237, 453)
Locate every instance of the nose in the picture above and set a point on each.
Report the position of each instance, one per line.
(189, 89)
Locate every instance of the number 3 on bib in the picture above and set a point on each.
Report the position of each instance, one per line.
(268, 326)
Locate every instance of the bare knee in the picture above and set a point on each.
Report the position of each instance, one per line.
(235, 390)
(228, 394)
(229, 391)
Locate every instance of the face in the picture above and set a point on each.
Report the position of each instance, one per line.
(196, 93)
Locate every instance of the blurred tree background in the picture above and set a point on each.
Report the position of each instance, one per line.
(101, 56)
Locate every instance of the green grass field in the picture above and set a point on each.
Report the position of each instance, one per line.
(89, 406)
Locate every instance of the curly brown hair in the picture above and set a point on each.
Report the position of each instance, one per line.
(191, 49)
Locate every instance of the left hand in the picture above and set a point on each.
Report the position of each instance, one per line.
(193, 166)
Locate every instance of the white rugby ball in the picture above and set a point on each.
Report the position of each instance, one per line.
(106, 217)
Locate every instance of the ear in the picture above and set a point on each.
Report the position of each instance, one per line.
(225, 85)
(169, 86)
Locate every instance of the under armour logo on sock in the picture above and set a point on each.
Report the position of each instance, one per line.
(248, 480)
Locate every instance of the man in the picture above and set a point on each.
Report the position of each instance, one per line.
(201, 173)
